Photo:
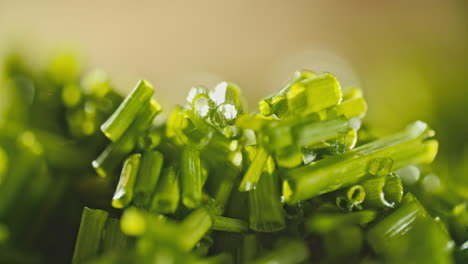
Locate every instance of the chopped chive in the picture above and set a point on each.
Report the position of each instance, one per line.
(222, 185)
(253, 173)
(265, 208)
(353, 104)
(315, 132)
(291, 252)
(112, 237)
(350, 198)
(329, 174)
(89, 236)
(116, 152)
(289, 157)
(4, 233)
(314, 94)
(148, 175)
(222, 223)
(249, 248)
(380, 166)
(167, 195)
(222, 258)
(194, 227)
(127, 111)
(191, 178)
(124, 192)
(381, 192)
(325, 222)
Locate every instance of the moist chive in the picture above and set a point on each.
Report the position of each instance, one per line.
(167, 193)
(191, 178)
(124, 192)
(381, 192)
(89, 236)
(254, 172)
(326, 222)
(329, 174)
(125, 114)
(115, 153)
(228, 224)
(194, 227)
(148, 175)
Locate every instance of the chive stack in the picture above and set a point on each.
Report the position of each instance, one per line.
(299, 181)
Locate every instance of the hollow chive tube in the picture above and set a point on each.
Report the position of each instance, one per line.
(228, 224)
(201, 102)
(291, 252)
(194, 227)
(254, 172)
(115, 153)
(381, 192)
(191, 177)
(228, 105)
(265, 208)
(325, 222)
(277, 103)
(125, 114)
(314, 94)
(167, 193)
(89, 236)
(148, 175)
(405, 148)
(124, 192)
(350, 198)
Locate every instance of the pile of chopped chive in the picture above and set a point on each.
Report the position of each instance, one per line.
(299, 181)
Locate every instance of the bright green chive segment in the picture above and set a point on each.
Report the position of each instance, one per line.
(222, 223)
(351, 198)
(115, 153)
(380, 166)
(265, 208)
(314, 94)
(194, 227)
(124, 192)
(148, 175)
(133, 222)
(334, 172)
(386, 191)
(125, 114)
(167, 194)
(326, 222)
(291, 252)
(191, 178)
(89, 236)
(255, 170)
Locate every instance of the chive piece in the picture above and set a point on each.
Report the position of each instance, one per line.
(315, 132)
(191, 178)
(89, 235)
(351, 198)
(194, 227)
(124, 115)
(116, 152)
(222, 258)
(148, 175)
(221, 187)
(252, 176)
(124, 192)
(396, 224)
(166, 196)
(113, 238)
(353, 104)
(133, 222)
(314, 94)
(265, 208)
(380, 166)
(325, 222)
(291, 252)
(249, 248)
(200, 101)
(4, 233)
(329, 174)
(227, 224)
(289, 157)
(383, 192)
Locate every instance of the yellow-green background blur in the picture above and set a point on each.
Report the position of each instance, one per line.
(410, 57)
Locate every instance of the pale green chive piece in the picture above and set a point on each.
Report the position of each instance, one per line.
(148, 175)
(251, 177)
(116, 152)
(194, 227)
(124, 192)
(90, 234)
(291, 252)
(127, 111)
(381, 192)
(335, 172)
(227, 224)
(191, 178)
(167, 194)
(314, 94)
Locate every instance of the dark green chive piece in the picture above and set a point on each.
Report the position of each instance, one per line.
(222, 223)
(167, 194)
(148, 175)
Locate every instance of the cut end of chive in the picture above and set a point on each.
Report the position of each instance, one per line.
(101, 172)
(288, 192)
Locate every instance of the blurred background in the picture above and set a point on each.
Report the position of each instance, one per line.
(409, 57)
